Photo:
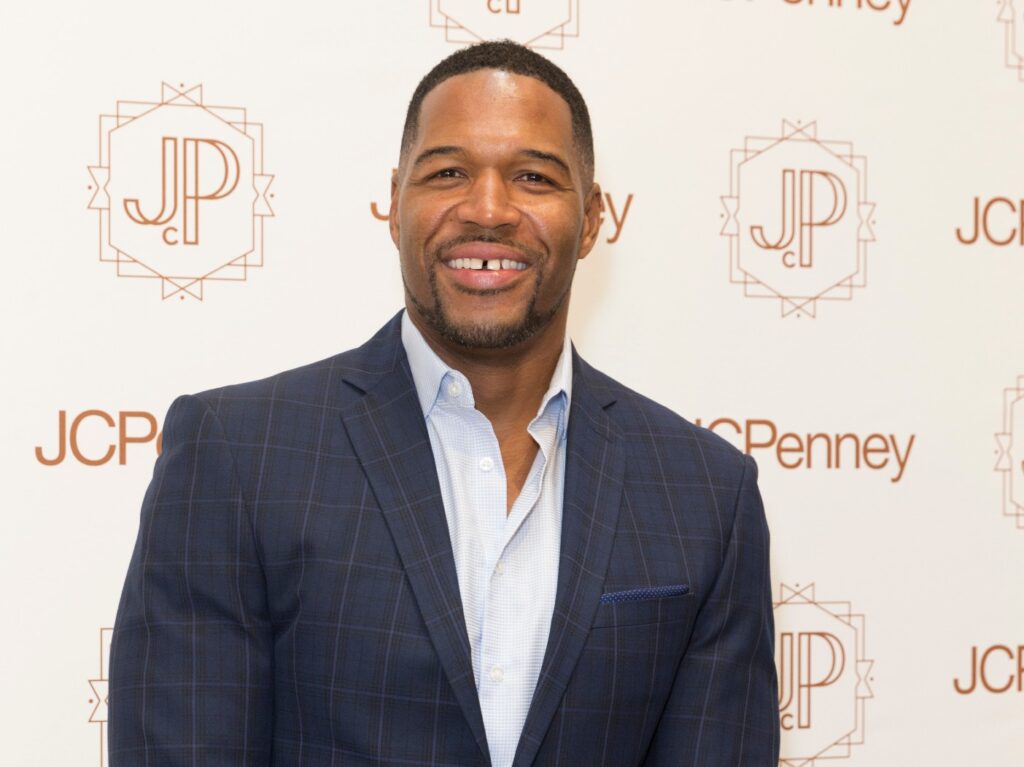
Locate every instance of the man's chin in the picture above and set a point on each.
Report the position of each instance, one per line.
(486, 334)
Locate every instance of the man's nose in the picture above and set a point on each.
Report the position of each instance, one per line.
(488, 203)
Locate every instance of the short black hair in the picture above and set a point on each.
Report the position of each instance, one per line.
(507, 56)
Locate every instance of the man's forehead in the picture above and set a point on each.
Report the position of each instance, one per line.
(492, 99)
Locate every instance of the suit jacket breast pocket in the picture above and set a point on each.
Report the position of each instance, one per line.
(670, 609)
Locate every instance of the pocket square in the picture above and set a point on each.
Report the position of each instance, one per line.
(636, 595)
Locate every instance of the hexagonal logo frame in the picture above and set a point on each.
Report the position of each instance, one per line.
(1010, 460)
(180, 191)
(534, 23)
(809, 243)
(824, 677)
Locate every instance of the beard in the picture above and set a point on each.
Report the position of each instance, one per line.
(481, 334)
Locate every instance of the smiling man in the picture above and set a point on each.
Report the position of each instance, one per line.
(458, 544)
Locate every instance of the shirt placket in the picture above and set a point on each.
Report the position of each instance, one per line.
(505, 639)
(496, 665)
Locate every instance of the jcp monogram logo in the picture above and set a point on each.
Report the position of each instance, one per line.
(184, 186)
(798, 219)
(808, 660)
(801, 216)
(180, 191)
(824, 676)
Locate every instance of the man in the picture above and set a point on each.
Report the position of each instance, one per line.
(458, 544)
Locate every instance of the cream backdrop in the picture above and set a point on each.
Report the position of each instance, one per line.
(867, 314)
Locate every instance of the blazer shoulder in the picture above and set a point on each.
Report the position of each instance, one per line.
(642, 420)
(325, 383)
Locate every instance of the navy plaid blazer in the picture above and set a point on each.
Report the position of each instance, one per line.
(292, 597)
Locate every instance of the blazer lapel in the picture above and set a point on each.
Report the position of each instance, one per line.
(595, 463)
(389, 435)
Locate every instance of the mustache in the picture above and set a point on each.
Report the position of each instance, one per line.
(463, 239)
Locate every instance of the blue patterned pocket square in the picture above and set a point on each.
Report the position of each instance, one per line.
(636, 595)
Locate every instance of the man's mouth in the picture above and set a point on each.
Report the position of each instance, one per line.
(487, 267)
(490, 264)
(487, 256)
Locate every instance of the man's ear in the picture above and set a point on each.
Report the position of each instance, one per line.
(592, 218)
(393, 209)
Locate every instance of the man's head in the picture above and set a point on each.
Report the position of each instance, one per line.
(506, 56)
(493, 202)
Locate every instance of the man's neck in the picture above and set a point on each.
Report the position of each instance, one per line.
(508, 384)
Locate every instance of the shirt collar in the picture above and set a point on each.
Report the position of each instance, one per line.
(429, 370)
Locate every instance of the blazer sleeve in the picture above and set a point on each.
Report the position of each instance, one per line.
(723, 708)
(190, 658)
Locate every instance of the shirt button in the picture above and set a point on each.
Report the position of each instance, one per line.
(454, 389)
(486, 464)
(497, 674)
(499, 568)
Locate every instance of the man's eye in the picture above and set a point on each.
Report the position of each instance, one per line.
(535, 178)
(447, 173)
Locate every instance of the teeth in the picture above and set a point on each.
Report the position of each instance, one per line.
(492, 264)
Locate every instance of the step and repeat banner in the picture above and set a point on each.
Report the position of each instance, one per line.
(813, 244)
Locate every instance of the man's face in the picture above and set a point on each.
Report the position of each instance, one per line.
(489, 212)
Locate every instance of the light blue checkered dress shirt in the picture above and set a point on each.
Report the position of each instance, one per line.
(507, 565)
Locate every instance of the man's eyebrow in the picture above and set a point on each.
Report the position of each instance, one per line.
(536, 154)
(434, 151)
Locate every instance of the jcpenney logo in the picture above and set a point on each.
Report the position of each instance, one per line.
(97, 437)
(896, 9)
(995, 669)
(765, 439)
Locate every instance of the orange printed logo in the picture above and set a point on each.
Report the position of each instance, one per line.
(535, 23)
(98, 697)
(815, 450)
(96, 437)
(897, 9)
(824, 677)
(180, 191)
(1010, 461)
(1014, 36)
(1007, 230)
(995, 669)
(798, 219)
